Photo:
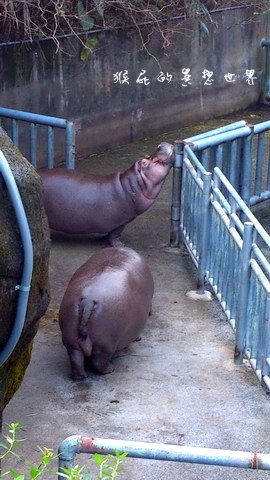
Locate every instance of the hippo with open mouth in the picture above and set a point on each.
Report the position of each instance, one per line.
(82, 203)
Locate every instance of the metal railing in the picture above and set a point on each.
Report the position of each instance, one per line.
(27, 270)
(159, 451)
(51, 123)
(222, 235)
(242, 154)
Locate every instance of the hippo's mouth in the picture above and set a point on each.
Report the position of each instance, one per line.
(163, 154)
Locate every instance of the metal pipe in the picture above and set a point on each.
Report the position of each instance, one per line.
(176, 193)
(50, 122)
(159, 451)
(246, 167)
(25, 285)
(243, 207)
(50, 147)
(204, 234)
(217, 131)
(243, 297)
(33, 144)
(266, 337)
(266, 87)
(220, 138)
(33, 117)
(70, 146)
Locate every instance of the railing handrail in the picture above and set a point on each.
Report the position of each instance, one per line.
(33, 117)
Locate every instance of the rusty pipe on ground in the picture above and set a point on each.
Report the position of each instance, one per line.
(159, 451)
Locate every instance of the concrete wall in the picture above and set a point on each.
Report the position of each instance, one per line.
(36, 79)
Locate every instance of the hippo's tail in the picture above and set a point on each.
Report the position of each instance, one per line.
(86, 310)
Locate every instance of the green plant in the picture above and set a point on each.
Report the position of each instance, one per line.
(109, 465)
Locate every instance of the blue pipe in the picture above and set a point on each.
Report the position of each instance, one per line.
(159, 451)
(221, 137)
(266, 89)
(217, 131)
(33, 117)
(243, 206)
(25, 285)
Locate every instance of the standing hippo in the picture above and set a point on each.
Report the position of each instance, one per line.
(105, 307)
(83, 203)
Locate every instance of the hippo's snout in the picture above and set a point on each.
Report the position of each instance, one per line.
(167, 149)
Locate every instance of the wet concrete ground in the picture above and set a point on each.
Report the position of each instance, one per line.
(178, 385)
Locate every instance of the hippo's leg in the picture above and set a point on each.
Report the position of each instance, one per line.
(114, 237)
(101, 362)
(77, 364)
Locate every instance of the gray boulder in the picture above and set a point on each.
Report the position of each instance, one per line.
(11, 262)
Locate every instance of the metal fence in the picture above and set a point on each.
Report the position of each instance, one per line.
(159, 451)
(223, 236)
(50, 123)
(242, 154)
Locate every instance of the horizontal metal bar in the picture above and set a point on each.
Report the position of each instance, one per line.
(260, 275)
(243, 206)
(191, 156)
(260, 198)
(155, 451)
(33, 117)
(261, 127)
(262, 260)
(233, 232)
(221, 138)
(225, 204)
(217, 131)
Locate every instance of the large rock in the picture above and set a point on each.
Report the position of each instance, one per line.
(11, 262)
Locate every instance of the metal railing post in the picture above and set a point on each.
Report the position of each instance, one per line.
(51, 122)
(176, 193)
(33, 144)
(204, 240)
(266, 87)
(240, 330)
(247, 167)
(70, 146)
(266, 351)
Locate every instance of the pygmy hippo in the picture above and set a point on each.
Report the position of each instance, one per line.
(105, 307)
(82, 203)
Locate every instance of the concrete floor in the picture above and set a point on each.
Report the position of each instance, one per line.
(178, 385)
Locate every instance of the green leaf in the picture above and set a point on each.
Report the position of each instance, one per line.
(86, 22)
(13, 473)
(123, 455)
(34, 472)
(100, 7)
(87, 48)
(2, 445)
(98, 458)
